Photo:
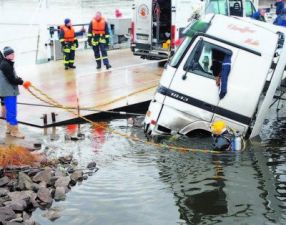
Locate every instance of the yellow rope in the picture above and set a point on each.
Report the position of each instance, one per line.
(53, 102)
(88, 107)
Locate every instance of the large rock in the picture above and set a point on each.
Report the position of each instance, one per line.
(26, 216)
(4, 199)
(52, 214)
(44, 175)
(60, 194)
(30, 222)
(3, 192)
(24, 182)
(33, 171)
(19, 205)
(12, 185)
(43, 184)
(18, 220)
(53, 181)
(77, 176)
(44, 195)
(66, 159)
(63, 182)
(7, 214)
(60, 172)
(21, 195)
(3, 181)
(14, 223)
(91, 165)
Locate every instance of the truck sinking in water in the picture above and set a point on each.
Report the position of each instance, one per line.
(187, 98)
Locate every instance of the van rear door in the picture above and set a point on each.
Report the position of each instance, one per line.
(193, 89)
(143, 22)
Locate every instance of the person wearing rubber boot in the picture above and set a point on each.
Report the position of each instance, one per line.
(98, 38)
(9, 90)
(69, 43)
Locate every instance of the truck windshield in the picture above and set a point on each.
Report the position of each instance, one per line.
(249, 8)
(217, 7)
(180, 52)
(198, 26)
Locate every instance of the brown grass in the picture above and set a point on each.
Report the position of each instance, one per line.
(16, 156)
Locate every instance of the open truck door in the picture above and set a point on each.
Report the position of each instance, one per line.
(142, 27)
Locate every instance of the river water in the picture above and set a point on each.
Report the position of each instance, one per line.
(137, 184)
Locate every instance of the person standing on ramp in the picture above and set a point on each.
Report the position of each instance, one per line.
(98, 38)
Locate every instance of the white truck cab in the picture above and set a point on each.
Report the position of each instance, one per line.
(187, 98)
(157, 25)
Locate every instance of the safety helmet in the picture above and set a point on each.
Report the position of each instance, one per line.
(218, 127)
(67, 20)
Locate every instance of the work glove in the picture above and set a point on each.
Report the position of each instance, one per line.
(63, 45)
(76, 43)
(107, 41)
(19, 81)
(27, 84)
(89, 41)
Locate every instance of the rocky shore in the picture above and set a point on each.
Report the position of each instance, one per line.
(24, 189)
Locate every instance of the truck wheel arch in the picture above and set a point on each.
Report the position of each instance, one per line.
(197, 125)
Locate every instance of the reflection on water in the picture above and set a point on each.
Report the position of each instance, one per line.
(138, 184)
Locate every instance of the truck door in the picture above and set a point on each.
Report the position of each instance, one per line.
(143, 23)
(249, 8)
(193, 89)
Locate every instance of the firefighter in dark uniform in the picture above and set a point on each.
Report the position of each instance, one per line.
(98, 38)
(69, 43)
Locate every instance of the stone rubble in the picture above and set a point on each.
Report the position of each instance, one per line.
(22, 192)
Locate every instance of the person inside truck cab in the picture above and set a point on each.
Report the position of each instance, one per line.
(221, 65)
(217, 58)
(259, 15)
(225, 70)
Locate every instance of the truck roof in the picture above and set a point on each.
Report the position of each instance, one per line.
(248, 33)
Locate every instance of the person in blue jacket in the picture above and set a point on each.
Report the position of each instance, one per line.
(281, 19)
(279, 4)
(259, 15)
(226, 67)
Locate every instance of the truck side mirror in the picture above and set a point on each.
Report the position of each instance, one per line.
(184, 77)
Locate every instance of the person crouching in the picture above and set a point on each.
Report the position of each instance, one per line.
(9, 90)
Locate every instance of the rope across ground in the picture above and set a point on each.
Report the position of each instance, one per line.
(44, 97)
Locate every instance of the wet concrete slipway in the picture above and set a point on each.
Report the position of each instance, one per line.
(137, 184)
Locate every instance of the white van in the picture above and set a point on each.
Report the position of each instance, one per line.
(158, 24)
(187, 98)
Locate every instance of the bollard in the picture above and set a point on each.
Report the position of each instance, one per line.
(53, 115)
(45, 119)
